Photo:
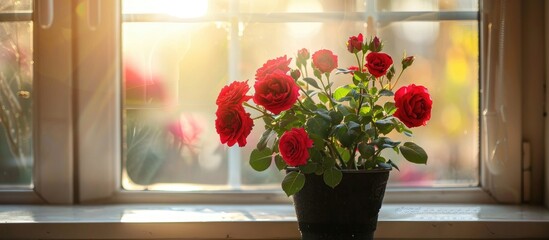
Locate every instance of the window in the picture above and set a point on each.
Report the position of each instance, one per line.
(114, 83)
(178, 54)
(35, 102)
(16, 74)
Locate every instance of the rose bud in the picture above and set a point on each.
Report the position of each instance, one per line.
(295, 74)
(376, 45)
(303, 54)
(407, 61)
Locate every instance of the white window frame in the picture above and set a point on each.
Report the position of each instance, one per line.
(83, 79)
(99, 161)
(52, 106)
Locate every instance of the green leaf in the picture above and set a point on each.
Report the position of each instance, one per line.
(341, 92)
(366, 151)
(316, 72)
(380, 159)
(261, 159)
(344, 153)
(343, 71)
(318, 142)
(293, 182)
(401, 128)
(359, 77)
(308, 168)
(312, 82)
(413, 153)
(328, 163)
(262, 143)
(385, 165)
(385, 126)
(336, 117)
(343, 110)
(389, 108)
(393, 164)
(385, 142)
(354, 128)
(365, 111)
(315, 155)
(323, 114)
(386, 92)
(280, 163)
(323, 98)
(332, 177)
(352, 117)
(309, 104)
(343, 136)
(373, 91)
(318, 126)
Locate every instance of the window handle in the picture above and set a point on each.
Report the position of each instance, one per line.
(94, 13)
(45, 13)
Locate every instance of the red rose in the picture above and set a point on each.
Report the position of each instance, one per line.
(354, 44)
(378, 63)
(277, 92)
(325, 60)
(413, 105)
(233, 94)
(233, 124)
(280, 63)
(294, 147)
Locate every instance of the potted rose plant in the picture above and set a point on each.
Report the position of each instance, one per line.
(329, 140)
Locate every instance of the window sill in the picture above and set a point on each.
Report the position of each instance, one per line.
(157, 221)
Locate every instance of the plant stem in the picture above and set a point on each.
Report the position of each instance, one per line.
(257, 109)
(358, 62)
(335, 153)
(398, 78)
(352, 153)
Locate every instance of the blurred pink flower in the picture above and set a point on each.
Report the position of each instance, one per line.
(141, 86)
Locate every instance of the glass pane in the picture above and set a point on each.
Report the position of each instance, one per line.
(169, 73)
(15, 5)
(426, 5)
(447, 64)
(16, 155)
(174, 71)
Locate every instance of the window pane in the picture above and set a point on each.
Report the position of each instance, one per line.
(15, 5)
(16, 155)
(174, 71)
(169, 73)
(447, 64)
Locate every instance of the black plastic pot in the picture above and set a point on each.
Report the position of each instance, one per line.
(349, 211)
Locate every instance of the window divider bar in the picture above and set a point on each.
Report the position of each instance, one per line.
(310, 17)
(22, 16)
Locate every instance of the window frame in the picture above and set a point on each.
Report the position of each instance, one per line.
(87, 169)
(52, 123)
(91, 160)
